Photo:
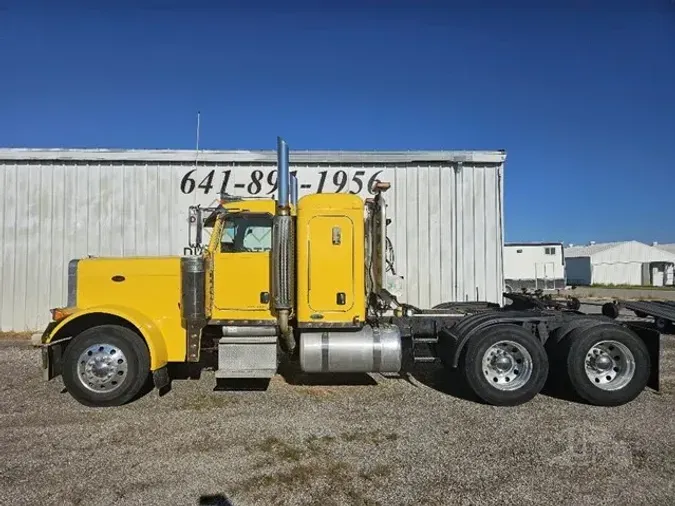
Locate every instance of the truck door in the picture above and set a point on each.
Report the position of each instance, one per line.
(549, 276)
(241, 271)
(331, 264)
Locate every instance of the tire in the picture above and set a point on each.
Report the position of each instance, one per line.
(117, 351)
(604, 384)
(510, 383)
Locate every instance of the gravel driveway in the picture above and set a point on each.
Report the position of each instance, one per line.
(371, 440)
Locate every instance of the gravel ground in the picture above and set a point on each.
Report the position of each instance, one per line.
(370, 440)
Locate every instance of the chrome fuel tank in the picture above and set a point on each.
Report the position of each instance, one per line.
(370, 349)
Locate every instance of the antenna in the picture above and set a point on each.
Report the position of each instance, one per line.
(197, 146)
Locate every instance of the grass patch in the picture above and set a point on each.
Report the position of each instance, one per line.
(373, 437)
(307, 468)
(631, 287)
(377, 471)
(315, 391)
(326, 482)
(200, 402)
(277, 450)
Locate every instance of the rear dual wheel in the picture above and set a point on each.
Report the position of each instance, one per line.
(605, 365)
(505, 365)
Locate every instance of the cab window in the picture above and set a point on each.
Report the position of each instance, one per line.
(246, 233)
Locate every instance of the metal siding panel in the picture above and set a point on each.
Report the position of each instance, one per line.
(10, 203)
(397, 208)
(411, 254)
(492, 257)
(143, 218)
(467, 237)
(163, 194)
(479, 233)
(3, 245)
(55, 260)
(447, 225)
(21, 237)
(423, 238)
(129, 191)
(434, 257)
(106, 191)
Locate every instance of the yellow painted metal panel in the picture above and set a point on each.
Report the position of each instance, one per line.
(331, 263)
(322, 271)
(239, 279)
(240, 250)
(157, 345)
(149, 286)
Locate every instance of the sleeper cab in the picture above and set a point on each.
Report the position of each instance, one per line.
(330, 263)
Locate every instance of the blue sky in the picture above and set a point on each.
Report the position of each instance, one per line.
(582, 98)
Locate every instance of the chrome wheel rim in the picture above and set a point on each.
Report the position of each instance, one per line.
(507, 365)
(102, 368)
(609, 365)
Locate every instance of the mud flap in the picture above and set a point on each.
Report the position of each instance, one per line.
(161, 380)
(652, 340)
(52, 355)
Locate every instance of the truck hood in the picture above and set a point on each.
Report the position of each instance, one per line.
(129, 281)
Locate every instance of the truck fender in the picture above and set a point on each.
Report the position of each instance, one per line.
(111, 314)
(560, 333)
(472, 326)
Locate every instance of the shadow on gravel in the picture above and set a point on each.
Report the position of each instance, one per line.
(293, 375)
(448, 382)
(215, 500)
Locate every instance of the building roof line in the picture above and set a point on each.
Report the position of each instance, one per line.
(533, 244)
(260, 156)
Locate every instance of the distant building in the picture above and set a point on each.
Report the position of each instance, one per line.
(619, 263)
(670, 248)
(534, 265)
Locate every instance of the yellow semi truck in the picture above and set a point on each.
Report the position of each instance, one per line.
(307, 277)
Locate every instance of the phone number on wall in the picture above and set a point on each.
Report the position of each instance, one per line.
(260, 182)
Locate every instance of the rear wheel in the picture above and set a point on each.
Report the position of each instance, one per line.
(106, 365)
(606, 365)
(505, 365)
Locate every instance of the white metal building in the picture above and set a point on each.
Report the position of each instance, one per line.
(665, 247)
(619, 263)
(446, 208)
(534, 265)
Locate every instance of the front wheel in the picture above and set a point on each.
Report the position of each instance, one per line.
(107, 365)
(606, 365)
(505, 365)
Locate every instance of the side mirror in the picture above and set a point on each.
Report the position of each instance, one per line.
(195, 226)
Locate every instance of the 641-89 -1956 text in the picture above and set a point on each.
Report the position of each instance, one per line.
(259, 182)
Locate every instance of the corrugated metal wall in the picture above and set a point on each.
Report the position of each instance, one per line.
(447, 225)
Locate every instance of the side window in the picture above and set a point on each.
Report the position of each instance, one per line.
(246, 233)
(549, 251)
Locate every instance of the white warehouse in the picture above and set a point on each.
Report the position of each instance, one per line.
(538, 265)
(446, 209)
(619, 263)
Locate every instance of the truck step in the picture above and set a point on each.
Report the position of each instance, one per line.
(427, 340)
(425, 359)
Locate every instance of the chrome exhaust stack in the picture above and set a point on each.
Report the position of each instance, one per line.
(193, 305)
(283, 249)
